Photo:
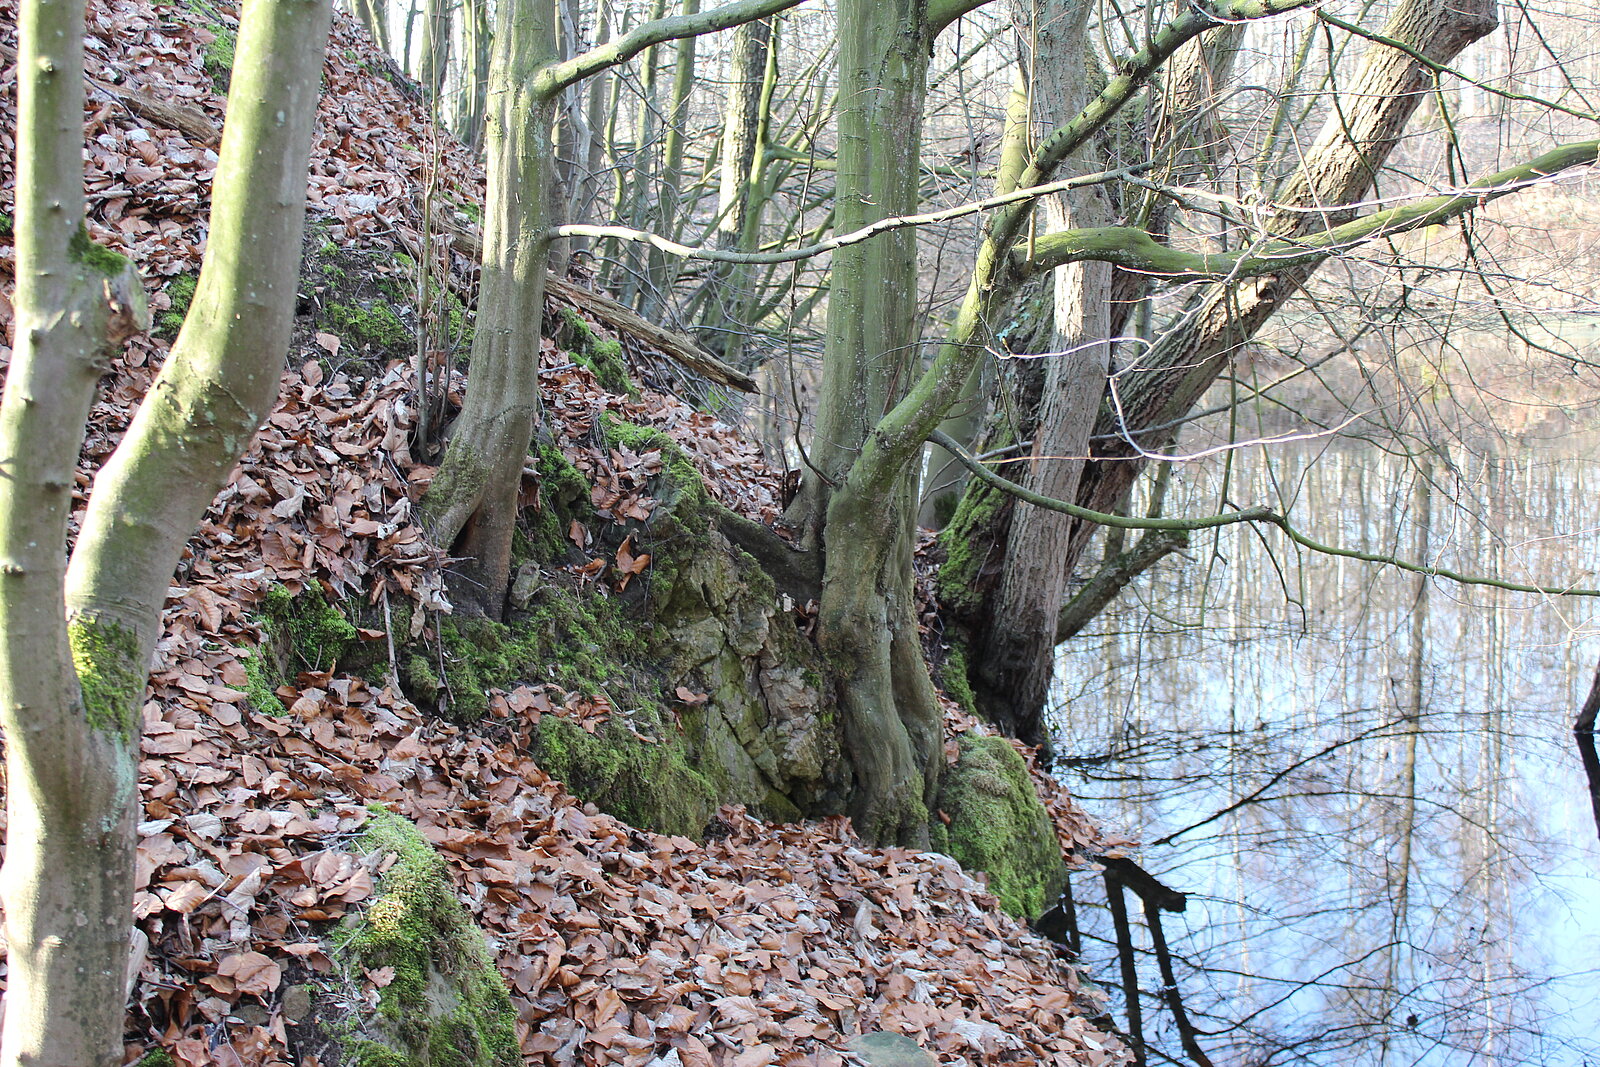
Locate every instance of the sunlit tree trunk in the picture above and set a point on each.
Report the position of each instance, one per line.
(471, 506)
(434, 62)
(75, 646)
(867, 624)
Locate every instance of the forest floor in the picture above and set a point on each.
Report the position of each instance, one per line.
(762, 944)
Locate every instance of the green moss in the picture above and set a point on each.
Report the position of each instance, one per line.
(6, 226)
(310, 632)
(218, 56)
(261, 681)
(376, 327)
(105, 655)
(156, 1057)
(563, 497)
(96, 257)
(447, 1005)
(953, 678)
(966, 542)
(603, 357)
(998, 825)
(679, 527)
(180, 290)
(648, 785)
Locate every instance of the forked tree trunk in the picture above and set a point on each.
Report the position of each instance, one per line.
(867, 625)
(75, 647)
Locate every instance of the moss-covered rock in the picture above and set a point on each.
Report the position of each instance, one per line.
(998, 825)
(646, 781)
(601, 355)
(446, 1005)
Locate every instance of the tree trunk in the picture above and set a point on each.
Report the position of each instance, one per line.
(475, 58)
(1012, 672)
(75, 647)
(375, 17)
(742, 169)
(663, 268)
(434, 61)
(471, 507)
(867, 623)
(1339, 169)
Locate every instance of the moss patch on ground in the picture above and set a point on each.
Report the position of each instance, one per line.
(998, 825)
(588, 349)
(180, 290)
(301, 631)
(447, 1005)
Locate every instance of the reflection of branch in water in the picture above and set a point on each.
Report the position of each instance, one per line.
(1255, 794)
(1583, 733)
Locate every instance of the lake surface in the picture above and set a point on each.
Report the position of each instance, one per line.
(1365, 780)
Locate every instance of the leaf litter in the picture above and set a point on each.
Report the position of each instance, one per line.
(764, 945)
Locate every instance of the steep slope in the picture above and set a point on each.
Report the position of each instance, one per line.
(277, 723)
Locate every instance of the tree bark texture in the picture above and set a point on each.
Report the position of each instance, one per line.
(1012, 672)
(741, 170)
(867, 623)
(75, 646)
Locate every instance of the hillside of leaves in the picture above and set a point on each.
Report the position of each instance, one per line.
(762, 945)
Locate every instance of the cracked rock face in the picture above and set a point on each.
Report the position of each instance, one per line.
(766, 722)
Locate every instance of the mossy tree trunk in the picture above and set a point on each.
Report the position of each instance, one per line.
(75, 645)
(858, 505)
(471, 507)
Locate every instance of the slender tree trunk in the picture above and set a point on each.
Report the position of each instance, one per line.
(472, 504)
(75, 647)
(749, 84)
(663, 268)
(474, 72)
(434, 62)
(374, 16)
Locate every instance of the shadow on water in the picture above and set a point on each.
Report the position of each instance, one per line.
(1363, 780)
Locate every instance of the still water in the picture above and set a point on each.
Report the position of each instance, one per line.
(1365, 780)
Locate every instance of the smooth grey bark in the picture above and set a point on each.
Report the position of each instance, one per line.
(75, 643)
(471, 507)
(434, 62)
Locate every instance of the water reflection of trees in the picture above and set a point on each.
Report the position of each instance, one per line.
(1364, 779)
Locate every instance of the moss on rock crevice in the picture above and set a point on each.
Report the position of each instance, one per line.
(998, 825)
(447, 1005)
